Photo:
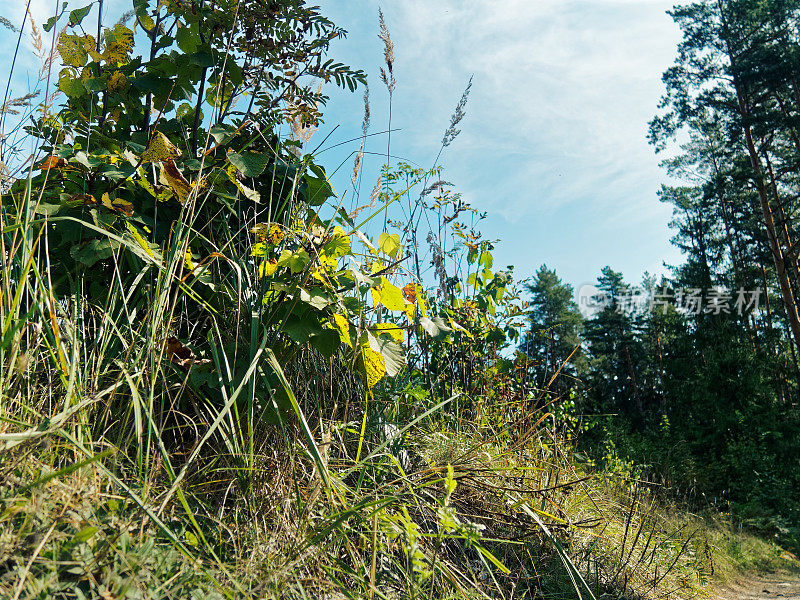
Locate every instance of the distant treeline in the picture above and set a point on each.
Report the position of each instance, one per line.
(702, 378)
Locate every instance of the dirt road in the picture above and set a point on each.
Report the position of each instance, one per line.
(764, 588)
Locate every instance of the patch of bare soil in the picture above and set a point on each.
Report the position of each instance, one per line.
(780, 586)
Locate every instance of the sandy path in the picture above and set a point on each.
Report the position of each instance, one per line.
(765, 588)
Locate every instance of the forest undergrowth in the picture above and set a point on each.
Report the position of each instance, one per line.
(222, 378)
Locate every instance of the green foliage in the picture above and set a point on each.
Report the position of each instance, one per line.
(231, 386)
(552, 341)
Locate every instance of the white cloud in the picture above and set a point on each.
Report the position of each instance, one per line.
(563, 88)
(555, 133)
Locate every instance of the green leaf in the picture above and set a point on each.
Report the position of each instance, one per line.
(338, 245)
(72, 86)
(94, 251)
(249, 164)
(315, 298)
(86, 160)
(486, 259)
(51, 22)
(302, 329)
(117, 172)
(85, 534)
(326, 342)
(318, 190)
(186, 112)
(77, 15)
(188, 38)
(222, 133)
(140, 6)
(296, 261)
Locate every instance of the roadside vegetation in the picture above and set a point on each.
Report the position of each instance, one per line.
(222, 378)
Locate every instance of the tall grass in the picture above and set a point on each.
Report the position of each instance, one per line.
(120, 479)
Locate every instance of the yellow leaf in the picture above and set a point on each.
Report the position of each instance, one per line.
(137, 236)
(342, 326)
(320, 275)
(389, 244)
(72, 49)
(275, 235)
(268, 267)
(376, 296)
(117, 204)
(391, 295)
(338, 244)
(271, 233)
(328, 262)
(119, 43)
(374, 367)
(160, 148)
(421, 301)
(398, 334)
(117, 82)
(376, 267)
(170, 175)
(409, 308)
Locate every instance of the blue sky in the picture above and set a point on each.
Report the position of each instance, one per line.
(554, 142)
(553, 146)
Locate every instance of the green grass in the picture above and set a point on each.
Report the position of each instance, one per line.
(377, 532)
(121, 478)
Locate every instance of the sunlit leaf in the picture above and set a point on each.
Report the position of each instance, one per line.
(421, 300)
(409, 309)
(394, 359)
(53, 162)
(268, 267)
(391, 295)
(140, 240)
(116, 204)
(376, 296)
(372, 365)
(342, 325)
(410, 292)
(397, 333)
(296, 261)
(118, 44)
(271, 233)
(171, 176)
(160, 148)
(389, 244)
(73, 49)
(71, 85)
(315, 298)
(338, 244)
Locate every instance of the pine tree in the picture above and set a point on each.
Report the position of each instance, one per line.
(553, 338)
